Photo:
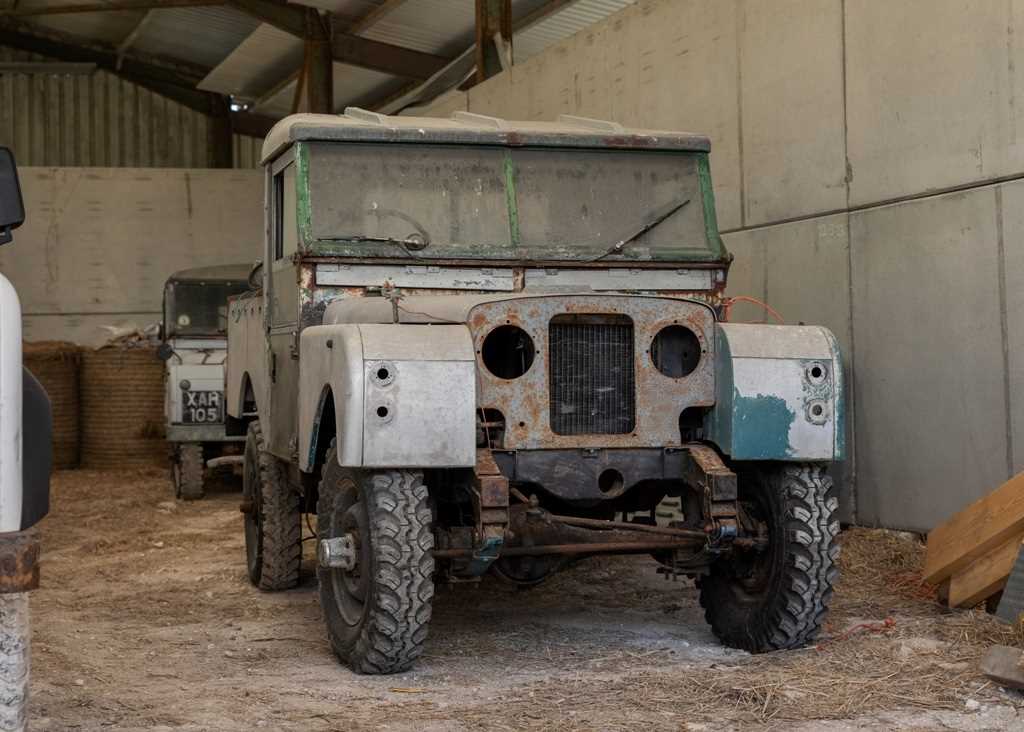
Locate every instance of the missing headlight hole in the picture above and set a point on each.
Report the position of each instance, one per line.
(676, 351)
(610, 482)
(508, 352)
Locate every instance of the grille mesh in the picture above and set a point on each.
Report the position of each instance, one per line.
(593, 388)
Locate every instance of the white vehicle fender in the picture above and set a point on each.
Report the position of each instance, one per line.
(403, 395)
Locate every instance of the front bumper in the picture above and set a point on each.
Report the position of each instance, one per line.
(200, 433)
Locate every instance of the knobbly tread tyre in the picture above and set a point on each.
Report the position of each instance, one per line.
(279, 550)
(191, 472)
(804, 569)
(393, 628)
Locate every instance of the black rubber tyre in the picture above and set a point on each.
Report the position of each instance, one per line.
(273, 523)
(377, 614)
(188, 472)
(777, 598)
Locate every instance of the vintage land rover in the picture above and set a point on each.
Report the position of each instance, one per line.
(194, 348)
(491, 346)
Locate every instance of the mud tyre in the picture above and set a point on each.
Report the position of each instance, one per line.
(377, 614)
(188, 472)
(777, 598)
(273, 518)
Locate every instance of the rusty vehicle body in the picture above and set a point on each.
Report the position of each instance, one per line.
(486, 346)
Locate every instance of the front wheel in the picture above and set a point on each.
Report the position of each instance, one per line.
(375, 565)
(273, 518)
(776, 597)
(188, 472)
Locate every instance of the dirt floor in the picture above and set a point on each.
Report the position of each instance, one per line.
(145, 620)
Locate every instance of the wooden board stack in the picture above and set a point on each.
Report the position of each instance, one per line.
(971, 556)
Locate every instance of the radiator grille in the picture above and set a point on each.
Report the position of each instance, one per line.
(593, 389)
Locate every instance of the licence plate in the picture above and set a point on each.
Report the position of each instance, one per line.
(202, 407)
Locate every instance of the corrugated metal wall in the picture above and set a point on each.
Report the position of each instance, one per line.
(101, 120)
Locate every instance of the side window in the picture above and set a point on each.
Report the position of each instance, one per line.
(286, 234)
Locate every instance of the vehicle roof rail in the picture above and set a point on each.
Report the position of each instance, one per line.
(365, 115)
(479, 119)
(590, 123)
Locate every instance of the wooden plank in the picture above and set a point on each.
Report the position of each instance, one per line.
(1005, 666)
(985, 576)
(981, 527)
(110, 5)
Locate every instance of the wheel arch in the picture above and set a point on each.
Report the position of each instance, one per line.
(323, 430)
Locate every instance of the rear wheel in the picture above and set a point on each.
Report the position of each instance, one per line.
(377, 602)
(273, 518)
(777, 597)
(188, 472)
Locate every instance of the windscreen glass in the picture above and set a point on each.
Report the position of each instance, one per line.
(199, 308)
(506, 203)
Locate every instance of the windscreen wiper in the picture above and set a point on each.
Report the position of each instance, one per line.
(659, 216)
(415, 242)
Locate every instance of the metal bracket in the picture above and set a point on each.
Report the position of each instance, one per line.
(337, 553)
(490, 501)
(19, 561)
(704, 470)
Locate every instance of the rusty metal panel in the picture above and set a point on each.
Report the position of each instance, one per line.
(525, 401)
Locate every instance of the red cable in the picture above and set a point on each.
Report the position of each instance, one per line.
(730, 301)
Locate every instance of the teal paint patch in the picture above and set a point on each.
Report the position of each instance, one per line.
(718, 421)
(761, 427)
(303, 214)
(513, 202)
(484, 556)
(714, 239)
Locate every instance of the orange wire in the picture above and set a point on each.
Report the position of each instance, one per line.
(730, 301)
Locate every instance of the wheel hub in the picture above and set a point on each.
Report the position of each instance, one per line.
(338, 553)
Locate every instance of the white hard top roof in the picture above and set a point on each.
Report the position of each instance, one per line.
(360, 125)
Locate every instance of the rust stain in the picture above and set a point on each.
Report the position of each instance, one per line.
(525, 401)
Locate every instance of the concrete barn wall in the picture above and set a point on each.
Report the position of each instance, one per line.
(866, 157)
(99, 243)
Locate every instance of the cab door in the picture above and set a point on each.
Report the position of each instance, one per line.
(281, 311)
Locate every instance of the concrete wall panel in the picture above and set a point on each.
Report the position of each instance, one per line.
(932, 95)
(928, 366)
(443, 106)
(663, 64)
(794, 156)
(86, 330)
(746, 275)
(1011, 204)
(100, 242)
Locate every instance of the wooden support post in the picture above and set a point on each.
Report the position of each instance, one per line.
(319, 76)
(493, 25)
(219, 133)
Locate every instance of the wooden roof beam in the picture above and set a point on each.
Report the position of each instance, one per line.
(113, 5)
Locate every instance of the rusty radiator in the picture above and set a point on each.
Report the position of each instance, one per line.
(592, 379)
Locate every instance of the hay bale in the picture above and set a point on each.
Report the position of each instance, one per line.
(56, 365)
(122, 408)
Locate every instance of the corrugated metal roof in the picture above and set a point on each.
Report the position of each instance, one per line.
(250, 58)
(565, 23)
(108, 27)
(350, 83)
(444, 27)
(259, 62)
(100, 120)
(203, 36)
